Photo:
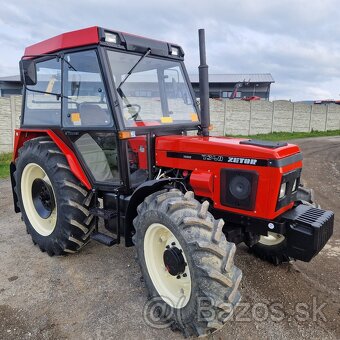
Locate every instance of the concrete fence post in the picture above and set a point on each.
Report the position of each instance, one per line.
(13, 118)
(293, 114)
(326, 120)
(310, 118)
(272, 122)
(249, 128)
(225, 118)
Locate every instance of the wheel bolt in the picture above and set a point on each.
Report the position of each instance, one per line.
(178, 276)
(167, 247)
(173, 243)
(185, 275)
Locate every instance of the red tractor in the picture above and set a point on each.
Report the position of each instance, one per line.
(110, 129)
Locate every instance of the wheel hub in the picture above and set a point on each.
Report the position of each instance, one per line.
(167, 265)
(174, 261)
(43, 198)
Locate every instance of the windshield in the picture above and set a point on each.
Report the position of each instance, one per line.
(152, 91)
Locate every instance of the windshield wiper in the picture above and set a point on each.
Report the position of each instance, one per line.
(133, 67)
(69, 64)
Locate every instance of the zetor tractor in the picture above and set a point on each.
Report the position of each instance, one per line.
(110, 129)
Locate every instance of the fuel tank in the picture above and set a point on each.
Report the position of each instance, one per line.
(238, 175)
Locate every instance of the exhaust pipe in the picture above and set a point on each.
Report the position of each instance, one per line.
(204, 85)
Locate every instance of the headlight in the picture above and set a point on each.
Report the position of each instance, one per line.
(175, 51)
(283, 190)
(111, 37)
(239, 188)
(295, 185)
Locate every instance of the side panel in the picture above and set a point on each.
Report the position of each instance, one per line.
(208, 157)
(269, 180)
(23, 135)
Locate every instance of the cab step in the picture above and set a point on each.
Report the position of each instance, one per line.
(103, 213)
(103, 239)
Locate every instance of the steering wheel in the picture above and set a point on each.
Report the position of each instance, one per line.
(135, 113)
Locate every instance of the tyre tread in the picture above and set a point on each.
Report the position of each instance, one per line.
(212, 254)
(77, 223)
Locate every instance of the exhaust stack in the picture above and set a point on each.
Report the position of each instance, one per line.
(204, 85)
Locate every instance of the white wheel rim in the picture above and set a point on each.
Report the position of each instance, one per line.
(175, 292)
(272, 239)
(43, 226)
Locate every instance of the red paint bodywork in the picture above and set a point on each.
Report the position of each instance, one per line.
(83, 37)
(205, 175)
(205, 178)
(22, 135)
(139, 148)
(202, 182)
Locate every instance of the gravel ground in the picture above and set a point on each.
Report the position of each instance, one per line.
(98, 294)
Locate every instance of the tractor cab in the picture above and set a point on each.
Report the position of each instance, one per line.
(110, 97)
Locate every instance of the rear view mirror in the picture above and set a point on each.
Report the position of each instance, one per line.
(28, 72)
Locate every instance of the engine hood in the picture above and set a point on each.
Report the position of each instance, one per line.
(225, 146)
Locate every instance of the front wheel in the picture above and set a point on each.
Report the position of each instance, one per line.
(271, 248)
(187, 264)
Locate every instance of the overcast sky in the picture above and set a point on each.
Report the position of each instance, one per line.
(297, 41)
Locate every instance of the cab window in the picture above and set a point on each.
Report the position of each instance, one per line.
(85, 99)
(42, 101)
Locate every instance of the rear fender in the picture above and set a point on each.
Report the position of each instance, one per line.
(21, 136)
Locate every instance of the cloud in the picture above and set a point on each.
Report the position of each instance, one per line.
(296, 41)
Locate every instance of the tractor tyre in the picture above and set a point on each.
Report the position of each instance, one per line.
(186, 262)
(53, 202)
(273, 248)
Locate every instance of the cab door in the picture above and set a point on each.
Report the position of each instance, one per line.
(87, 118)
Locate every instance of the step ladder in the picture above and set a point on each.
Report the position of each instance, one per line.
(106, 215)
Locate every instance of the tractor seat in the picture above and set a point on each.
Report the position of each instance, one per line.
(93, 114)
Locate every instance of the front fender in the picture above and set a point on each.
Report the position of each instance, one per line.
(138, 196)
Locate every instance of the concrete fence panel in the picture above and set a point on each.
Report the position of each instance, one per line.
(333, 117)
(261, 117)
(256, 117)
(228, 117)
(301, 118)
(237, 117)
(282, 115)
(10, 111)
(217, 113)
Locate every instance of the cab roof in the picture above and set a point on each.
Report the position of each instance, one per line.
(96, 35)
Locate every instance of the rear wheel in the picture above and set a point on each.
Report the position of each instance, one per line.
(187, 264)
(54, 204)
